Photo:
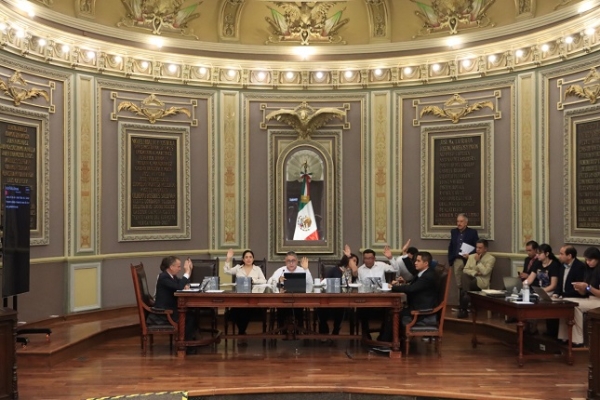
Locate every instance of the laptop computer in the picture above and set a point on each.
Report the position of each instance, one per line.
(543, 295)
(295, 282)
(511, 282)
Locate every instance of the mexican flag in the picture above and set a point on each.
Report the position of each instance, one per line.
(306, 224)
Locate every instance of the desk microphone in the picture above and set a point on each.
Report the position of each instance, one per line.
(204, 284)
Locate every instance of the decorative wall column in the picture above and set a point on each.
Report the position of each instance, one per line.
(82, 170)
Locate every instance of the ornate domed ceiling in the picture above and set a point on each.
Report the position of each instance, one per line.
(388, 40)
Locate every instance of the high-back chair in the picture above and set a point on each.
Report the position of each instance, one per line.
(419, 327)
(204, 267)
(325, 265)
(145, 303)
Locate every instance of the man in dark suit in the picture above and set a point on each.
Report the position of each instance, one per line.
(421, 292)
(574, 272)
(167, 284)
(456, 258)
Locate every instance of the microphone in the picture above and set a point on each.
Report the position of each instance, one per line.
(204, 284)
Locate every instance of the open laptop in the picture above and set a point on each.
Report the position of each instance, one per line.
(511, 282)
(543, 295)
(295, 282)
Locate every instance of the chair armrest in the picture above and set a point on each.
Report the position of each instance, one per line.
(162, 311)
(426, 311)
(156, 310)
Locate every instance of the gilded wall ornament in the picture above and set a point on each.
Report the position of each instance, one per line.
(449, 15)
(159, 16)
(16, 88)
(152, 108)
(304, 22)
(589, 90)
(85, 8)
(305, 119)
(456, 108)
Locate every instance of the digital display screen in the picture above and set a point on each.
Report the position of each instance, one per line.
(15, 239)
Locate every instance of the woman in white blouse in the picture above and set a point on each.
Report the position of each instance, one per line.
(242, 316)
(247, 269)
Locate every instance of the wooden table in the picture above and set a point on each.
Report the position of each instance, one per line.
(351, 299)
(523, 312)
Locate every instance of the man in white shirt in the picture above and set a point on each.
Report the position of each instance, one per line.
(404, 263)
(371, 269)
(290, 319)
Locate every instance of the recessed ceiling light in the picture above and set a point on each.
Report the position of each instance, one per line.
(466, 63)
(378, 72)
(202, 70)
(20, 33)
(436, 67)
(156, 41)
(90, 54)
(41, 42)
(172, 68)
(289, 75)
(453, 41)
(590, 31)
(569, 39)
(585, 6)
(407, 70)
(144, 64)
(519, 53)
(65, 48)
(492, 58)
(231, 73)
(545, 47)
(2, 26)
(261, 75)
(349, 74)
(319, 75)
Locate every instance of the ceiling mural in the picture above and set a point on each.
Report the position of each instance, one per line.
(450, 15)
(305, 23)
(160, 15)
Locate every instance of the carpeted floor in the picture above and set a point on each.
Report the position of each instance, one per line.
(148, 396)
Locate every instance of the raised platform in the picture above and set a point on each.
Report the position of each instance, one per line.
(76, 333)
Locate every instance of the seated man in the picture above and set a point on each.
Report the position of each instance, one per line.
(405, 263)
(589, 288)
(167, 284)
(278, 278)
(370, 269)
(421, 293)
(476, 274)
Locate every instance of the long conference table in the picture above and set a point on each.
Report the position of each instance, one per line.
(269, 298)
(523, 312)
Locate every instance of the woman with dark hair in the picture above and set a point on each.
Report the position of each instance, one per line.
(590, 288)
(242, 316)
(548, 271)
(346, 266)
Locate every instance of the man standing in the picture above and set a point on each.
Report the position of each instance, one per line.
(457, 256)
(476, 274)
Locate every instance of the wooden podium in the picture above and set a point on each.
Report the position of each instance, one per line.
(8, 356)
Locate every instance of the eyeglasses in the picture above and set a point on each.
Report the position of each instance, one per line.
(291, 261)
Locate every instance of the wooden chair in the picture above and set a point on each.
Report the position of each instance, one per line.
(264, 312)
(203, 268)
(145, 303)
(421, 329)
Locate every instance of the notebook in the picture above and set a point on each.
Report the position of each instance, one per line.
(511, 282)
(295, 282)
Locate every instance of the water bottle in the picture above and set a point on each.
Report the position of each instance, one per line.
(525, 291)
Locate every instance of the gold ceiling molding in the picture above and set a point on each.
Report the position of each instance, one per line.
(305, 23)
(229, 20)
(17, 89)
(456, 108)
(525, 8)
(590, 89)
(304, 119)
(562, 3)
(449, 15)
(159, 15)
(378, 19)
(85, 8)
(152, 109)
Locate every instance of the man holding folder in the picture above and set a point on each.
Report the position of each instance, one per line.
(462, 243)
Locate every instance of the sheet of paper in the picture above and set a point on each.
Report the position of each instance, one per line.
(466, 249)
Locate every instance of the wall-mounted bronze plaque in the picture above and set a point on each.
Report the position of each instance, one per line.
(457, 179)
(587, 175)
(19, 160)
(153, 182)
